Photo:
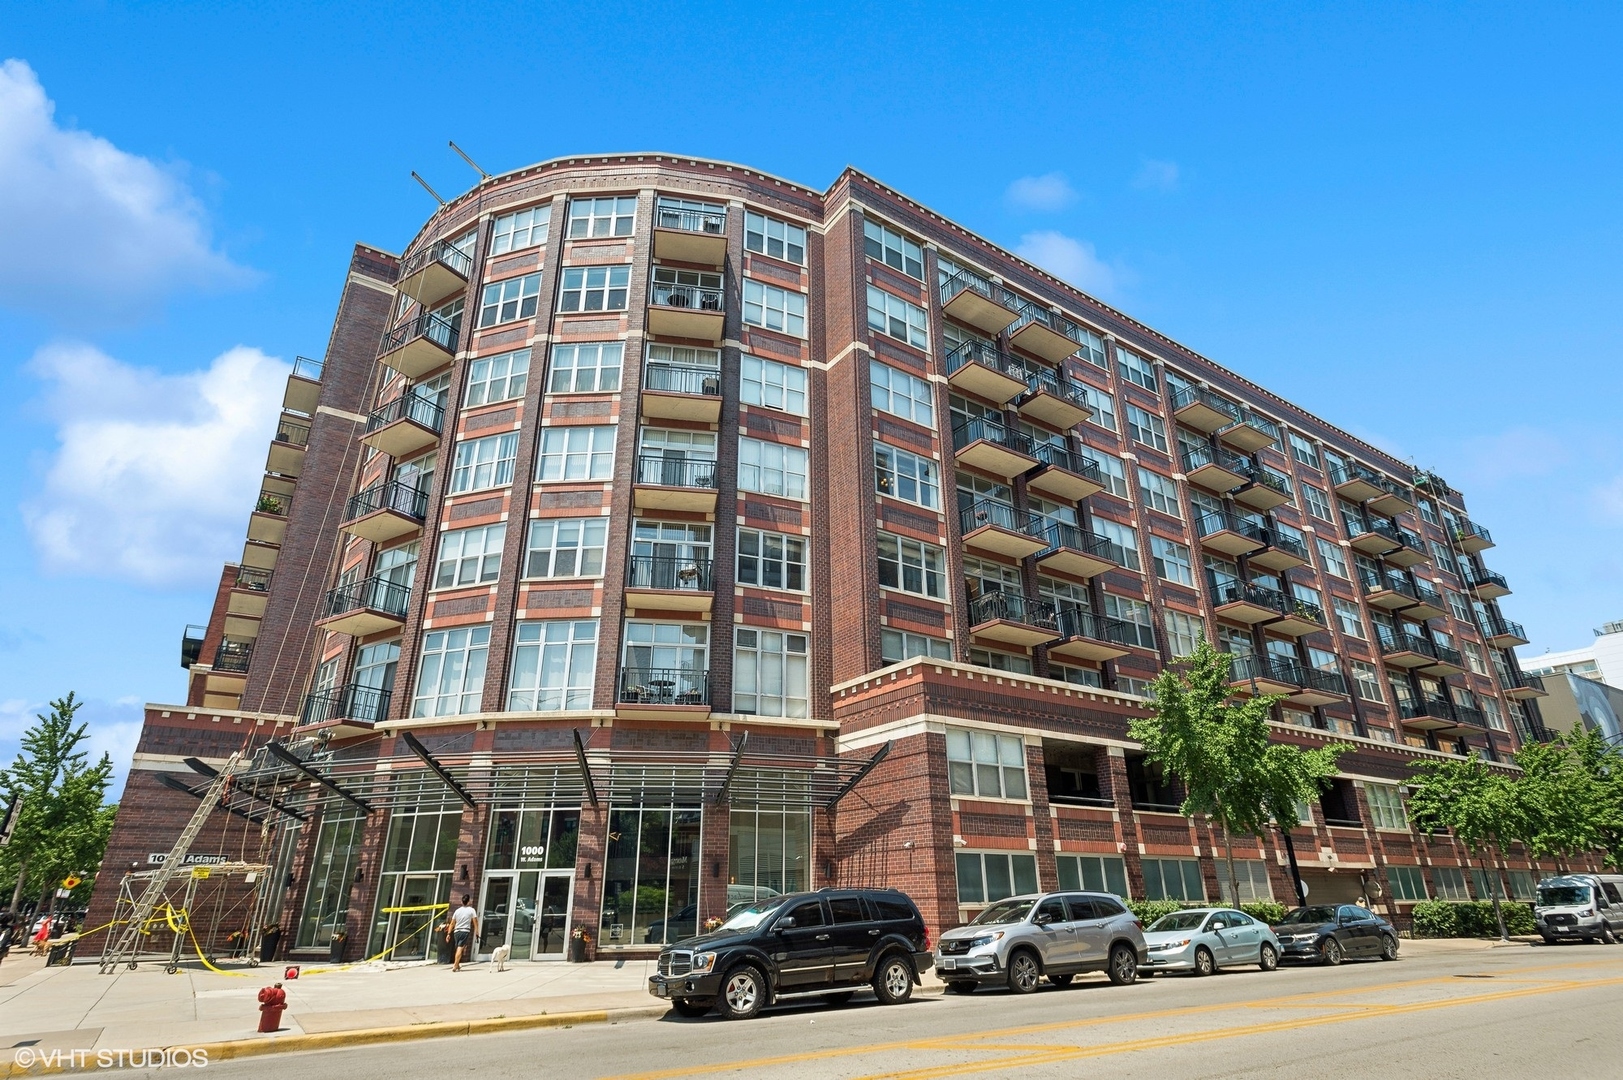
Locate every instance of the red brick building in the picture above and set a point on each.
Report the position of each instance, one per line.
(718, 535)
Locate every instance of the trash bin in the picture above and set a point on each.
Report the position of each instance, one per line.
(578, 943)
(338, 948)
(61, 953)
(268, 943)
(444, 951)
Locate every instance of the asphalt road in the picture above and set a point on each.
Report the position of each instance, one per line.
(1512, 1012)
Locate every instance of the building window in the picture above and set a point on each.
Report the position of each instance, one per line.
(1449, 883)
(896, 317)
(771, 468)
(1367, 681)
(1184, 632)
(1172, 561)
(1491, 713)
(469, 556)
(1348, 617)
(565, 547)
(1306, 594)
(1079, 676)
(1317, 503)
(1123, 536)
(1104, 408)
(576, 453)
(772, 385)
(1428, 512)
(586, 369)
(508, 300)
(484, 463)
(911, 566)
(769, 673)
(1136, 614)
(651, 871)
(554, 666)
(986, 877)
(1000, 661)
(986, 764)
(898, 645)
(1112, 472)
(1386, 806)
(1135, 369)
(900, 394)
(1333, 558)
(905, 476)
(1137, 687)
(771, 560)
(453, 671)
(1095, 873)
(779, 239)
(893, 249)
(1281, 480)
(774, 308)
(521, 229)
(1158, 492)
(1473, 657)
(1173, 879)
(1457, 604)
(594, 288)
(1303, 451)
(1145, 428)
(498, 378)
(1252, 878)
(1407, 882)
(612, 216)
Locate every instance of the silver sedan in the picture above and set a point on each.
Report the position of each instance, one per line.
(1204, 939)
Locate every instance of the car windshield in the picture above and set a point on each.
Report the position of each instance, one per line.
(1007, 911)
(1563, 895)
(1179, 920)
(749, 916)
(1308, 915)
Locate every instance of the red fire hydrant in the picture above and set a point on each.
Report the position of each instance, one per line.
(272, 1002)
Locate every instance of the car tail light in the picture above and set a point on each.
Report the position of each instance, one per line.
(1139, 923)
(926, 939)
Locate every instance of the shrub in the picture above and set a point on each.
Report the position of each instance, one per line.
(1470, 918)
(1267, 911)
(1147, 911)
(1436, 919)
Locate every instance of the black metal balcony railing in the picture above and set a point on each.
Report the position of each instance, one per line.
(1036, 313)
(1465, 528)
(233, 656)
(191, 644)
(1258, 421)
(436, 328)
(253, 578)
(1013, 607)
(1277, 540)
(1499, 626)
(1262, 477)
(1227, 590)
(1199, 456)
(1470, 714)
(681, 472)
(1396, 582)
(709, 222)
(1400, 641)
(371, 594)
(1059, 457)
(306, 368)
(454, 259)
(687, 296)
(1436, 708)
(983, 512)
(1354, 470)
(679, 379)
(668, 572)
(1043, 381)
(1476, 577)
(983, 355)
(1430, 481)
(1286, 670)
(1199, 395)
(1512, 680)
(293, 432)
(394, 495)
(1061, 535)
(367, 704)
(969, 281)
(1074, 623)
(1208, 522)
(408, 406)
(664, 686)
(966, 431)
(1411, 540)
(272, 502)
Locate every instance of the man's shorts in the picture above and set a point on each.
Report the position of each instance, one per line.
(462, 938)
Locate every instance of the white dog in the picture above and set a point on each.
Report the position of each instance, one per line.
(500, 954)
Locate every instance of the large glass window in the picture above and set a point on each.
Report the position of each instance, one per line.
(1251, 876)
(452, 677)
(415, 870)
(1348, 617)
(771, 468)
(772, 385)
(1173, 879)
(771, 560)
(988, 876)
(1172, 561)
(985, 763)
(893, 249)
(609, 216)
(1123, 536)
(1333, 558)
(1158, 492)
(576, 453)
(670, 555)
(1112, 473)
(586, 369)
(1104, 408)
(891, 315)
(1408, 882)
(769, 835)
(520, 229)
(554, 665)
(1304, 451)
(774, 308)
(769, 673)
(1095, 873)
(335, 852)
(650, 876)
(484, 463)
(667, 647)
(1386, 806)
(779, 239)
(505, 301)
(911, 566)
(1146, 428)
(1317, 503)
(1184, 632)
(594, 288)
(906, 476)
(565, 547)
(1450, 883)
(895, 391)
(1136, 614)
(469, 556)
(1135, 369)
(497, 378)
(898, 645)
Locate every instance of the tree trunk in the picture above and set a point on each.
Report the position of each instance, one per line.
(17, 892)
(1493, 894)
(1501, 877)
(1228, 851)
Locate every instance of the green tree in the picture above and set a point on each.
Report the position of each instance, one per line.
(64, 819)
(1602, 764)
(1478, 806)
(1558, 796)
(1219, 748)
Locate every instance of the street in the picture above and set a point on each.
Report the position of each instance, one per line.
(1479, 1014)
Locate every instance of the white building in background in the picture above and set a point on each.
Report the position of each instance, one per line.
(1601, 660)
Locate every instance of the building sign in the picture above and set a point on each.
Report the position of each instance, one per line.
(158, 858)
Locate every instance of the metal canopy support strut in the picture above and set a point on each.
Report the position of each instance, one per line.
(868, 767)
(585, 772)
(732, 767)
(421, 751)
(282, 752)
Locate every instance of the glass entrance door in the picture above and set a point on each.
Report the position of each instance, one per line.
(496, 912)
(528, 911)
(411, 935)
(551, 937)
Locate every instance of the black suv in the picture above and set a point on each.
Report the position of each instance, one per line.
(828, 943)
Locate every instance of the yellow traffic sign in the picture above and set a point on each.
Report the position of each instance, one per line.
(70, 882)
(200, 873)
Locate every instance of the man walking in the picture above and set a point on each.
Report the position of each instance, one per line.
(464, 924)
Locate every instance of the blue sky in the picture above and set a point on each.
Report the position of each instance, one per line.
(1404, 218)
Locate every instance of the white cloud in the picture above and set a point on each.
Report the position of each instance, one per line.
(1071, 259)
(154, 474)
(93, 231)
(1156, 175)
(1051, 191)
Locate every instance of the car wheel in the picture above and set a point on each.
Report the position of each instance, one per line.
(1389, 947)
(1268, 958)
(1123, 966)
(1061, 980)
(961, 986)
(1548, 940)
(1587, 941)
(691, 1008)
(1330, 952)
(893, 982)
(743, 993)
(1024, 972)
(839, 998)
(1607, 937)
(1205, 963)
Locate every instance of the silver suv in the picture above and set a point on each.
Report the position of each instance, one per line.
(1020, 940)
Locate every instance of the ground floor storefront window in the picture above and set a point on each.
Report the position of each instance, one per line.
(1173, 879)
(769, 835)
(414, 876)
(1095, 873)
(650, 876)
(333, 854)
(987, 876)
(1252, 876)
(529, 878)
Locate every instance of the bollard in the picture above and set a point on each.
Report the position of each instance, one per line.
(272, 1001)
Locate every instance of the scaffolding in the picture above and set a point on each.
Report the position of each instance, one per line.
(197, 906)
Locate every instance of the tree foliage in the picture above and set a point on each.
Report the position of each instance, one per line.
(1572, 793)
(1480, 807)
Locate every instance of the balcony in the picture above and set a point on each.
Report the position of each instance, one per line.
(664, 687)
(191, 644)
(1078, 552)
(666, 583)
(1216, 469)
(1410, 549)
(1282, 553)
(1086, 636)
(435, 272)
(690, 232)
(1470, 716)
(1044, 333)
(1242, 602)
(385, 512)
(678, 392)
(267, 524)
(1365, 538)
(1298, 618)
(1520, 686)
(1446, 661)
(232, 657)
(1065, 475)
(1503, 633)
(1228, 533)
(287, 448)
(977, 368)
(303, 391)
(350, 705)
(1250, 433)
(972, 299)
(404, 426)
(1357, 483)
(1428, 603)
(1054, 399)
(1265, 491)
(253, 579)
(1486, 584)
(1407, 650)
(989, 446)
(421, 344)
(1011, 618)
(1432, 714)
(1001, 529)
(365, 607)
(1199, 408)
(1260, 674)
(248, 594)
(675, 483)
(1390, 591)
(1471, 537)
(687, 304)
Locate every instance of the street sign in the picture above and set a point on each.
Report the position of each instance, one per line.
(200, 873)
(70, 882)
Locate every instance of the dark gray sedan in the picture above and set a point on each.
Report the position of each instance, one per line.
(1329, 934)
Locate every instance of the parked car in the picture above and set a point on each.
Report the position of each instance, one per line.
(829, 943)
(1204, 939)
(1585, 907)
(1020, 940)
(1328, 934)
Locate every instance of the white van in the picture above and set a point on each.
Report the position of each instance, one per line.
(1585, 907)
